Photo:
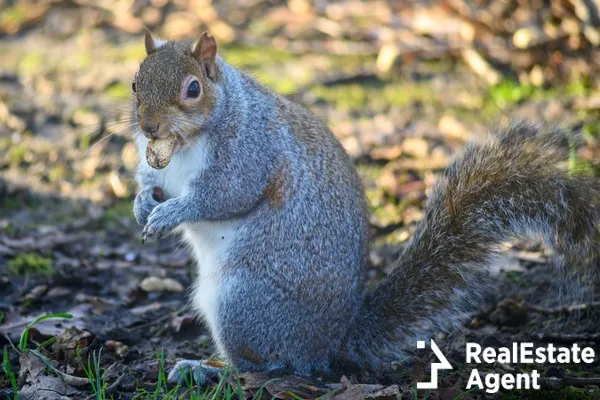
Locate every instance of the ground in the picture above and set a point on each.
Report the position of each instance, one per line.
(69, 243)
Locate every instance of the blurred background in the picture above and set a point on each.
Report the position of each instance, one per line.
(403, 85)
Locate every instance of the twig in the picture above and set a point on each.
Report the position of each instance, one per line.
(11, 343)
(66, 378)
(114, 386)
(10, 327)
(72, 380)
(148, 324)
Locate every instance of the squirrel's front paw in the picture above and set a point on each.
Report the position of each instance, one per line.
(162, 220)
(202, 372)
(145, 202)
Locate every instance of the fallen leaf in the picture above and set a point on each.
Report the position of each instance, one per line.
(72, 346)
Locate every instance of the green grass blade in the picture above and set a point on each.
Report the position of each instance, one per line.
(25, 334)
(10, 374)
(222, 380)
(161, 374)
(46, 343)
(238, 388)
(5, 361)
(44, 359)
(100, 383)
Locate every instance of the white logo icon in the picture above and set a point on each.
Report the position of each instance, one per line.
(443, 364)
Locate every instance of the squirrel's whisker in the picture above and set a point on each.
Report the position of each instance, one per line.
(180, 133)
(103, 139)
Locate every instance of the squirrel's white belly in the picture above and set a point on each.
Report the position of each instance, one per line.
(210, 242)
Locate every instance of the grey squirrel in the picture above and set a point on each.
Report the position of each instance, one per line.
(275, 214)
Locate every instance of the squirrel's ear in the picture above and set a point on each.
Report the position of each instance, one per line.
(205, 51)
(149, 42)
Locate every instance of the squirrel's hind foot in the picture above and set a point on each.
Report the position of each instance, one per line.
(202, 372)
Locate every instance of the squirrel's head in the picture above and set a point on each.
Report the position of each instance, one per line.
(174, 88)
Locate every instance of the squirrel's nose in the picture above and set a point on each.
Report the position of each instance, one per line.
(150, 127)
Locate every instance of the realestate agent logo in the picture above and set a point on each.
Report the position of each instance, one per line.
(435, 367)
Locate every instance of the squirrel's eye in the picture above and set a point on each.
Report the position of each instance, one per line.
(193, 90)
(133, 86)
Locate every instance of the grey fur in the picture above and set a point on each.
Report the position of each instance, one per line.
(143, 205)
(291, 290)
(295, 271)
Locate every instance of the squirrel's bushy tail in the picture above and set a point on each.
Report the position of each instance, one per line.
(520, 183)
